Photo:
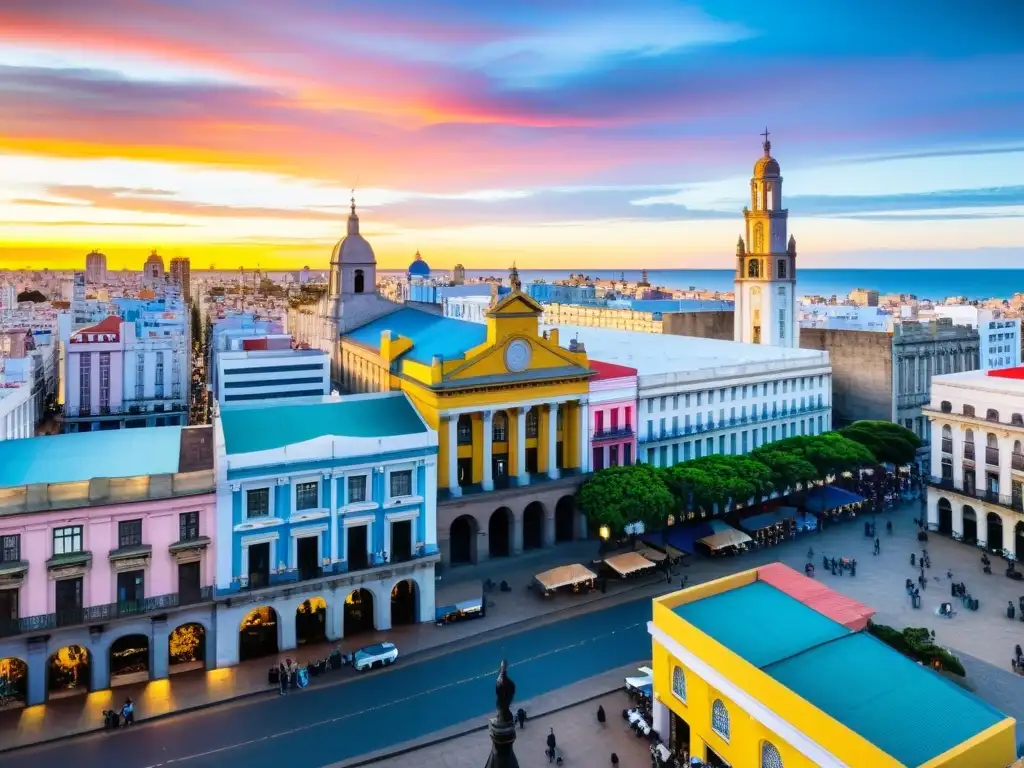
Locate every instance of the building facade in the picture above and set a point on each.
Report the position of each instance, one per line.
(105, 566)
(326, 522)
(977, 459)
(181, 276)
(252, 375)
(747, 670)
(999, 337)
(95, 268)
(18, 415)
(153, 271)
(613, 404)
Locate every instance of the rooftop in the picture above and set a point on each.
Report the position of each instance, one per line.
(430, 334)
(610, 370)
(661, 353)
(267, 426)
(82, 456)
(1006, 380)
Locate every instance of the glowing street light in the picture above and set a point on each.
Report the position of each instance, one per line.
(604, 532)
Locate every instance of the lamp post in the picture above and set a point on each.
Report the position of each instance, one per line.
(604, 532)
(503, 726)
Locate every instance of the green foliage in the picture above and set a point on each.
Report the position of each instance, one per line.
(829, 454)
(618, 496)
(887, 442)
(718, 479)
(916, 643)
(786, 468)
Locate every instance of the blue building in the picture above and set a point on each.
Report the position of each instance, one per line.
(326, 521)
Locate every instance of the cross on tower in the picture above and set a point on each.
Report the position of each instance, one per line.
(766, 144)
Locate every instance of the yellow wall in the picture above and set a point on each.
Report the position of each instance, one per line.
(996, 746)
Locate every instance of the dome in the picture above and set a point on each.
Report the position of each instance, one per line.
(766, 166)
(419, 268)
(353, 248)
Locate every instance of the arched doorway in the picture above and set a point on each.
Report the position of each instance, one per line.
(945, 517)
(970, 525)
(533, 525)
(257, 636)
(462, 540)
(565, 519)
(311, 621)
(68, 671)
(129, 660)
(499, 533)
(995, 531)
(404, 603)
(186, 648)
(359, 612)
(1019, 542)
(13, 682)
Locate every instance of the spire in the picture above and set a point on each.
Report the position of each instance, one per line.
(513, 279)
(791, 248)
(503, 726)
(766, 144)
(740, 247)
(353, 219)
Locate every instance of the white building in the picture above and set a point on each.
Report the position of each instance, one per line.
(249, 376)
(471, 308)
(18, 415)
(8, 296)
(702, 396)
(977, 490)
(999, 336)
(843, 317)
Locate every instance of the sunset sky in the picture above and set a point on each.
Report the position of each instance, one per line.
(556, 133)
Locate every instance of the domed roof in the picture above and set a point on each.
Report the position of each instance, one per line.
(419, 268)
(766, 166)
(353, 248)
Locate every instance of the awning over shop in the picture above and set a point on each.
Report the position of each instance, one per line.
(805, 521)
(460, 598)
(628, 563)
(768, 519)
(565, 576)
(681, 537)
(730, 538)
(828, 497)
(654, 555)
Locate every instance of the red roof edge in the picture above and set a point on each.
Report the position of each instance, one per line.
(610, 370)
(110, 324)
(840, 608)
(1008, 373)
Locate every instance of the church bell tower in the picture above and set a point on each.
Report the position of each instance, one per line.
(766, 311)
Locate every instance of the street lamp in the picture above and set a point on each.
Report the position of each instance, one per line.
(604, 532)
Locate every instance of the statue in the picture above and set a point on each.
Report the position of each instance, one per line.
(503, 726)
(513, 279)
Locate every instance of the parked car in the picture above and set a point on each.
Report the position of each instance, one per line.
(379, 655)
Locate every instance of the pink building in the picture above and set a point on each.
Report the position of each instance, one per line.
(613, 393)
(105, 557)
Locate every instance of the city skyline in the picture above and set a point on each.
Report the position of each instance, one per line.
(556, 137)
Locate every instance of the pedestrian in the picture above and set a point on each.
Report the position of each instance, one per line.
(878, 545)
(551, 746)
(521, 718)
(282, 679)
(128, 712)
(600, 714)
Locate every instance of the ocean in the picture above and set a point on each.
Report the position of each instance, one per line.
(975, 284)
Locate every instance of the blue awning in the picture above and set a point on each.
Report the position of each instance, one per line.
(768, 519)
(828, 497)
(682, 537)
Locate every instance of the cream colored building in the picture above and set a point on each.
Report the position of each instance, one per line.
(602, 317)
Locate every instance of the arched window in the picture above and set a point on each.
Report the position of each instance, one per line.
(720, 719)
(759, 238)
(679, 683)
(947, 439)
(360, 281)
(992, 414)
(969, 410)
(991, 441)
(770, 757)
(753, 268)
(1017, 419)
(946, 407)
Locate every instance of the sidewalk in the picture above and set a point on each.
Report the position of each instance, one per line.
(506, 613)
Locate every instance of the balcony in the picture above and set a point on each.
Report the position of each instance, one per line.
(1013, 502)
(992, 457)
(712, 426)
(613, 433)
(969, 451)
(127, 408)
(96, 614)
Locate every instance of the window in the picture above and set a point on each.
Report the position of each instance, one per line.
(85, 381)
(679, 683)
(357, 489)
(782, 269)
(720, 719)
(257, 502)
(159, 377)
(531, 422)
(10, 548)
(770, 757)
(675, 401)
(104, 380)
(992, 415)
(401, 483)
(359, 282)
(188, 526)
(129, 533)
(782, 323)
(67, 540)
(969, 410)
(140, 377)
(465, 429)
(307, 495)
(499, 427)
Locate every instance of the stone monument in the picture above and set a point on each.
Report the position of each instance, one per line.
(503, 726)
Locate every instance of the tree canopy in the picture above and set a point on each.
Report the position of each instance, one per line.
(888, 442)
(619, 496)
(718, 479)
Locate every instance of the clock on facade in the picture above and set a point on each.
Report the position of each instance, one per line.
(517, 355)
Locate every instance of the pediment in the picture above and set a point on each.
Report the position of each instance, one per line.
(545, 360)
(516, 304)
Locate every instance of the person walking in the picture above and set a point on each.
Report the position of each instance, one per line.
(128, 712)
(521, 718)
(551, 746)
(282, 679)
(878, 545)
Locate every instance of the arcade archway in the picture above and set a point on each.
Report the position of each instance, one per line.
(129, 660)
(359, 612)
(462, 540)
(257, 636)
(994, 524)
(945, 517)
(565, 519)
(499, 533)
(311, 621)
(404, 603)
(13, 682)
(186, 648)
(533, 525)
(970, 525)
(68, 671)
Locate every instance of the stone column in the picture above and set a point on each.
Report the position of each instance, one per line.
(159, 650)
(332, 498)
(517, 533)
(453, 455)
(958, 456)
(286, 640)
(36, 661)
(1009, 531)
(430, 506)
(553, 441)
(1005, 444)
(488, 437)
(958, 519)
(584, 439)
(522, 476)
(99, 661)
(933, 509)
(381, 607)
(661, 720)
(335, 628)
(225, 646)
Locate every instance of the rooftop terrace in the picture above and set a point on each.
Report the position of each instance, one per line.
(430, 334)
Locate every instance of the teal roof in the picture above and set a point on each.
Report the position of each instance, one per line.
(79, 456)
(267, 426)
(430, 334)
(760, 623)
(905, 709)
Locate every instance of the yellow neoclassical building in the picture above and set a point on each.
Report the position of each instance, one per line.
(769, 669)
(510, 407)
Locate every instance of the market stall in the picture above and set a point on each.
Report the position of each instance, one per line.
(461, 601)
(654, 555)
(576, 576)
(628, 563)
(830, 501)
(726, 542)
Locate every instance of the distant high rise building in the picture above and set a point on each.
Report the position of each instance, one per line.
(459, 274)
(153, 270)
(181, 275)
(95, 268)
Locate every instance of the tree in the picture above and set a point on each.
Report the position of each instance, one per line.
(718, 479)
(829, 454)
(619, 496)
(889, 443)
(786, 468)
(918, 643)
